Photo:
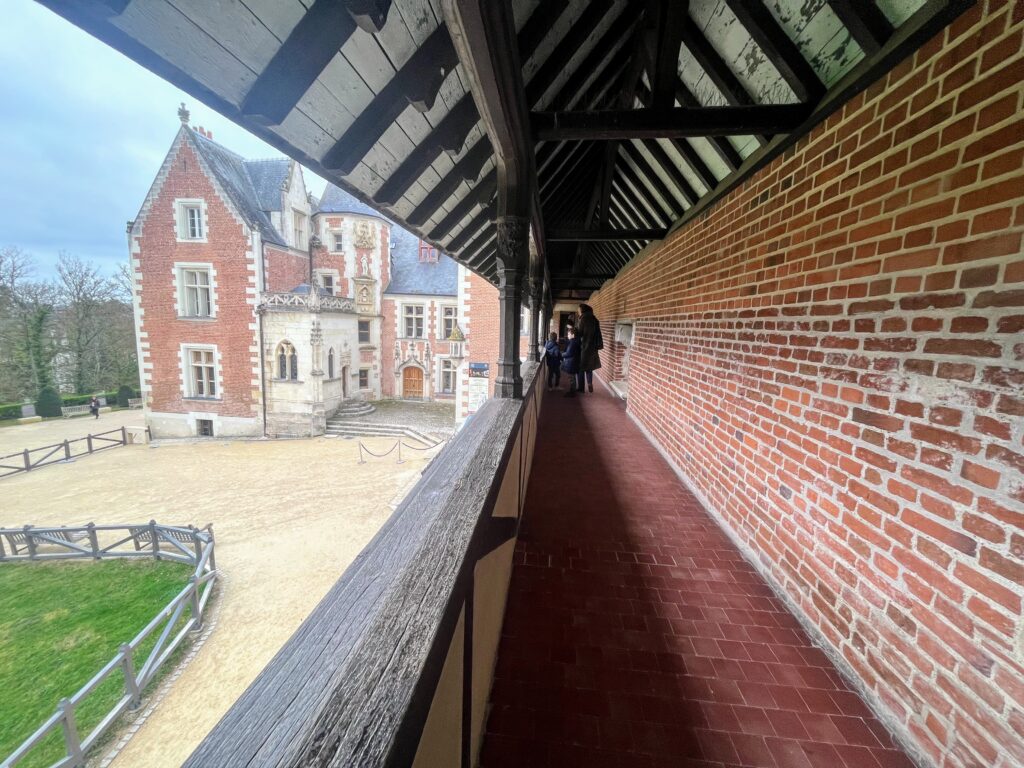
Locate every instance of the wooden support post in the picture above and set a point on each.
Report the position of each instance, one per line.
(28, 461)
(71, 741)
(67, 451)
(94, 540)
(88, 442)
(155, 538)
(131, 683)
(513, 252)
(30, 542)
(124, 432)
(194, 604)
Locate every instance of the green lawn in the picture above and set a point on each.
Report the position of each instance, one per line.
(60, 622)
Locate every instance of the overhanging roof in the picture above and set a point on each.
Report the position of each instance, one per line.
(643, 112)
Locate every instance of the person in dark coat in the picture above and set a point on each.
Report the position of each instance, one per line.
(94, 406)
(553, 356)
(590, 342)
(571, 361)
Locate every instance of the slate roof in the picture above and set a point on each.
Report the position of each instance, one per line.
(337, 200)
(410, 275)
(268, 180)
(233, 176)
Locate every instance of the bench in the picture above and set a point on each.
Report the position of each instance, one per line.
(134, 402)
(67, 411)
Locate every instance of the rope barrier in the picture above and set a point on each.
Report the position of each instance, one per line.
(398, 444)
(428, 448)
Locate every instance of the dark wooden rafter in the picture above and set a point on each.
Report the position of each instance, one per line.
(782, 52)
(370, 15)
(296, 65)
(866, 22)
(722, 146)
(416, 83)
(660, 156)
(663, 35)
(481, 194)
(466, 169)
(654, 180)
(487, 214)
(669, 123)
(662, 214)
(604, 235)
(449, 135)
(690, 155)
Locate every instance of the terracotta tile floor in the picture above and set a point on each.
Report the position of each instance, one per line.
(636, 634)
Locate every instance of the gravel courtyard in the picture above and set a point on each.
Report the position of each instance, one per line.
(22, 436)
(288, 516)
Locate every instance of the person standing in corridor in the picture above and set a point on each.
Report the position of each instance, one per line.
(589, 331)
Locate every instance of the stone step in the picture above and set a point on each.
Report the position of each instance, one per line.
(346, 428)
(354, 408)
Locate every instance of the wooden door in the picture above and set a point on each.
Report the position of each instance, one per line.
(412, 383)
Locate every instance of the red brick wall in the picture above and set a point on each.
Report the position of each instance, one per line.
(834, 357)
(226, 249)
(286, 269)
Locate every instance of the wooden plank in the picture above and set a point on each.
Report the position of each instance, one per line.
(720, 144)
(668, 123)
(370, 15)
(555, 65)
(299, 61)
(467, 168)
(558, 235)
(653, 181)
(780, 50)
(866, 22)
(415, 84)
(481, 194)
(665, 38)
(644, 195)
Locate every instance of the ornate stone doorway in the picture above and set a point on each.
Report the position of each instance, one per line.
(412, 382)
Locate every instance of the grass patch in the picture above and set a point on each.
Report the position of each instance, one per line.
(59, 624)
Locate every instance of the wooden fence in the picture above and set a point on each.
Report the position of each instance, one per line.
(33, 458)
(192, 546)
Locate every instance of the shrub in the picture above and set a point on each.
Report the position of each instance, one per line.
(124, 393)
(10, 411)
(48, 402)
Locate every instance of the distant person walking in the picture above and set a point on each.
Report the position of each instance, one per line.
(571, 360)
(553, 356)
(94, 406)
(590, 342)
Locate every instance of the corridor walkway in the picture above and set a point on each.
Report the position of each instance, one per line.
(637, 636)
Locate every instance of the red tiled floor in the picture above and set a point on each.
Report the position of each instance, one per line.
(637, 636)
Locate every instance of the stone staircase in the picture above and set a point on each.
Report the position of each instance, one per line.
(349, 427)
(351, 409)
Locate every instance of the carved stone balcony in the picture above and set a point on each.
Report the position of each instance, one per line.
(286, 301)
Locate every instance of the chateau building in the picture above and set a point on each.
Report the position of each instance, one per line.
(232, 338)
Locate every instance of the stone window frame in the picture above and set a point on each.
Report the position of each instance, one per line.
(364, 378)
(422, 318)
(369, 332)
(440, 376)
(442, 336)
(334, 274)
(292, 363)
(180, 303)
(188, 386)
(181, 231)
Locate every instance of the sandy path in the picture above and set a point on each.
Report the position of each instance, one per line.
(22, 436)
(288, 517)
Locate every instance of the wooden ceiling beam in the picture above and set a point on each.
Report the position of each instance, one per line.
(450, 134)
(481, 194)
(661, 157)
(566, 235)
(666, 22)
(780, 50)
(296, 65)
(722, 146)
(655, 181)
(467, 169)
(559, 59)
(416, 84)
(488, 214)
(866, 22)
(662, 216)
(668, 123)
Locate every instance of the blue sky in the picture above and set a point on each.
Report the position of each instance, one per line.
(83, 131)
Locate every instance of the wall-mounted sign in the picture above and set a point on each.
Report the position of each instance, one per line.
(478, 386)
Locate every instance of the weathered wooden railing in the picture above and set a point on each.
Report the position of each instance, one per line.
(57, 453)
(394, 666)
(192, 546)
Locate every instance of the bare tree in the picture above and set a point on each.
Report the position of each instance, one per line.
(26, 320)
(83, 295)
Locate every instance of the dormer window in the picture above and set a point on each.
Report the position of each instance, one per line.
(428, 253)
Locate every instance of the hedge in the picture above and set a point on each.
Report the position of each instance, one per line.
(10, 411)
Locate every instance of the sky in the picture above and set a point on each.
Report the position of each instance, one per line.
(83, 131)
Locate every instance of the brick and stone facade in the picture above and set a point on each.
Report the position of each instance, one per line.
(833, 359)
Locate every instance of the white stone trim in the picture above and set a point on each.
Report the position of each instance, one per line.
(400, 331)
(333, 273)
(185, 375)
(181, 223)
(179, 288)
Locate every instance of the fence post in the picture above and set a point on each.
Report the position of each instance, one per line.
(131, 684)
(194, 600)
(28, 461)
(124, 436)
(93, 540)
(400, 451)
(213, 549)
(30, 541)
(88, 442)
(71, 741)
(67, 451)
(156, 541)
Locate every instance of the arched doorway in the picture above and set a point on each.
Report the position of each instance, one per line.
(412, 383)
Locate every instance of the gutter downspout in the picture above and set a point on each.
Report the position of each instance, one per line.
(259, 317)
